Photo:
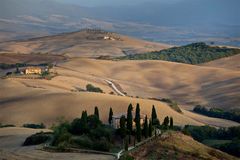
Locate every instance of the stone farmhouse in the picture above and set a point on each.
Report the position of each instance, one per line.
(33, 70)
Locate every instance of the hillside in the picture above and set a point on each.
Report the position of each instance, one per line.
(62, 95)
(52, 102)
(85, 43)
(11, 147)
(187, 84)
(174, 145)
(231, 63)
(195, 53)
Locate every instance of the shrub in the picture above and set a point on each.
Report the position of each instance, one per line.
(61, 133)
(36, 139)
(35, 126)
(172, 104)
(91, 88)
(83, 141)
(102, 145)
(6, 125)
(102, 131)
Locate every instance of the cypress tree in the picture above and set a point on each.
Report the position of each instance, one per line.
(96, 113)
(138, 124)
(123, 126)
(84, 125)
(155, 120)
(110, 116)
(166, 122)
(171, 123)
(145, 128)
(129, 118)
(150, 129)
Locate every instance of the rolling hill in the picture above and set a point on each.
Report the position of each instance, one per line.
(61, 97)
(187, 84)
(86, 43)
(174, 145)
(231, 63)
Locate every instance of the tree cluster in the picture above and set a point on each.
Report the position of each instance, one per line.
(194, 53)
(233, 115)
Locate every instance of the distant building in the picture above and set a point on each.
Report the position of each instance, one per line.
(33, 70)
(116, 120)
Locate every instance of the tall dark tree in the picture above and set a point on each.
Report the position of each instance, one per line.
(150, 129)
(129, 118)
(145, 127)
(166, 122)
(171, 123)
(155, 120)
(76, 126)
(123, 126)
(110, 116)
(84, 123)
(138, 123)
(96, 112)
(126, 143)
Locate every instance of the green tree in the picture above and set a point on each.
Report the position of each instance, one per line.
(166, 122)
(171, 123)
(150, 129)
(138, 124)
(96, 112)
(93, 122)
(155, 120)
(123, 126)
(145, 128)
(84, 122)
(126, 143)
(129, 118)
(76, 126)
(110, 116)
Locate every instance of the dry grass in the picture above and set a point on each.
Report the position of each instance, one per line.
(13, 58)
(187, 84)
(39, 105)
(35, 101)
(82, 44)
(175, 145)
(227, 63)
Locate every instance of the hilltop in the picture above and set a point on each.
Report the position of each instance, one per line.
(85, 43)
(175, 145)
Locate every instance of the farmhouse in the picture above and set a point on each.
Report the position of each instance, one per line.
(116, 120)
(108, 38)
(33, 70)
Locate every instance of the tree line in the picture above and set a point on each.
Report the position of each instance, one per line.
(127, 130)
(194, 53)
(89, 132)
(233, 115)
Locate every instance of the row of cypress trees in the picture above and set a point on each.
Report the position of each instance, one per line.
(126, 123)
